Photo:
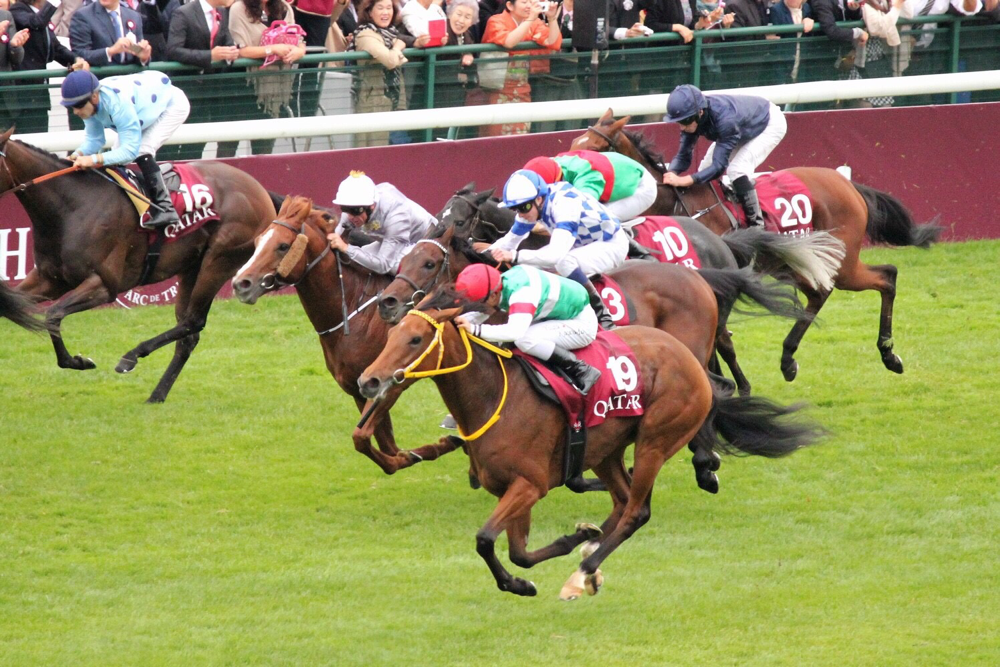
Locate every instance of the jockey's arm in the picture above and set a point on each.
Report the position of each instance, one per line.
(720, 158)
(126, 123)
(381, 257)
(558, 247)
(509, 241)
(685, 150)
(93, 139)
(521, 308)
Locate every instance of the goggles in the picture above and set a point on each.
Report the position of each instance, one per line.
(523, 208)
(354, 210)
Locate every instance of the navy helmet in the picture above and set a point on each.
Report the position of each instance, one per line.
(78, 86)
(684, 102)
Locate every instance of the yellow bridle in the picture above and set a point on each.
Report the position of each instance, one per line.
(438, 341)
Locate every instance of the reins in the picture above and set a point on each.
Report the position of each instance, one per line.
(21, 187)
(407, 373)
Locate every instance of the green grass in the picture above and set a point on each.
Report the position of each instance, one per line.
(235, 524)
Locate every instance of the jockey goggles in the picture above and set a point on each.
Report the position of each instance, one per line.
(689, 120)
(354, 210)
(523, 208)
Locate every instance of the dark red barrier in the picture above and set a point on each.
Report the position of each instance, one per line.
(938, 160)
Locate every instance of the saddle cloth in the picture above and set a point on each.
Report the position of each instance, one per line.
(619, 306)
(667, 238)
(192, 198)
(784, 200)
(618, 393)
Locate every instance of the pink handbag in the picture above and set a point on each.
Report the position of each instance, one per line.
(281, 32)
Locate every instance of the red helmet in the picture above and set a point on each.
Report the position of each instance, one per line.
(546, 167)
(478, 281)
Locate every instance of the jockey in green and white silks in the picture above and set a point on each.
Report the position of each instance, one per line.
(548, 316)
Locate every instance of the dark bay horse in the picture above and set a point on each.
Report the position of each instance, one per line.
(18, 309)
(89, 248)
(519, 458)
(293, 250)
(849, 211)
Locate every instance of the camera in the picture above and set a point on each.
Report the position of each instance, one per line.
(543, 6)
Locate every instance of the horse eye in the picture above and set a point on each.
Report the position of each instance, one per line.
(428, 264)
(283, 247)
(415, 341)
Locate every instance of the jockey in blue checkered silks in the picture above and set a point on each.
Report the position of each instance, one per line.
(586, 238)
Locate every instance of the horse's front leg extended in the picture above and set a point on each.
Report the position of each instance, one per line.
(515, 503)
(88, 294)
(378, 424)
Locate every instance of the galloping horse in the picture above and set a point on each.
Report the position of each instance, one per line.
(519, 458)
(89, 248)
(847, 210)
(293, 250)
(18, 309)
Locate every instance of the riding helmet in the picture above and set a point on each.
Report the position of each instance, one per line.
(546, 167)
(684, 102)
(523, 186)
(356, 190)
(477, 281)
(78, 86)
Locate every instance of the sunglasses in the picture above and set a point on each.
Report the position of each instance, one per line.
(81, 104)
(689, 120)
(523, 208)
(353, 210)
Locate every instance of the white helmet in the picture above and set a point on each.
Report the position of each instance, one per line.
(356, 190)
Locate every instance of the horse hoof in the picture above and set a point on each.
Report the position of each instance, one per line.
(474, 482)
(126, 365)
(893, 363)
(413, 456)
(709, 483)
(592, 584)
(529, 589)
(78, 363)
(790, 371)
(588, 549)
(574, 586)
(591, 531)
(156, 400)
(449, 423)
(715, 463)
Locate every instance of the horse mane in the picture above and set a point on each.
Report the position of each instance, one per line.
(295, 209)
(447, 297)
(645, 146)
(43, 153)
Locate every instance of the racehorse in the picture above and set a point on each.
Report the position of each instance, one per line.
(18, 309)
(89, 247)
(476, 216)
(847, 210)
(293, 250)
(519, 458)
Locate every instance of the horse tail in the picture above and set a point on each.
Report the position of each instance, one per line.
(890, 222)
(815, 257)
(18, 309)
(743, 285)
(756, 426)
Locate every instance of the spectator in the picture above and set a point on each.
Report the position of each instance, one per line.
(248, 20)
(315, 17)
(41, 48)
(11, 55)
(107, 33)
(199, 36)
(520, 22)
(878, 57)
(748, 14)
(416, 16)
(64, 13)
(792, 12)
(624, 21)
(678, 16)
(378, 86)
(828, 12)
(347, 19)
(461, 31)
(937, 7)
(154, 26)
(487, 10)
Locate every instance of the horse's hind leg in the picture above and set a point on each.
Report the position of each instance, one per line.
(88, 294)
(517, 502)
(883, 279)
(724, 346)
(814, 301)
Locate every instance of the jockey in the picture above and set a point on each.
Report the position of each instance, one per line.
(745, 130)
(382, 212)
(586, 239)
(144, 109)
(548, 316)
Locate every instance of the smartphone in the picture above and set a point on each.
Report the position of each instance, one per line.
(134, 49)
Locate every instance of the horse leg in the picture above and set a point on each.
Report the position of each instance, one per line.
(726, 349)
(445, 445)
(517, 538)
(91, 292)
(183, 347)
(814, 301)
(883, 279)
(518, 500)
(389, 462)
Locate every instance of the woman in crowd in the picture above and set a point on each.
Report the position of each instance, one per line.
(248, 20)
(378, 86)
(520, 22)
(460, 75)
(11, 54)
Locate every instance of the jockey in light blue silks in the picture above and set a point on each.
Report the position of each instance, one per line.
(144, 109)
(585, 238)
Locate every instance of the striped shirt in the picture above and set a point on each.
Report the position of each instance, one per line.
(575, 211)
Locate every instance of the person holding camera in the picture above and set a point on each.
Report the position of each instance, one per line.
(124, 45)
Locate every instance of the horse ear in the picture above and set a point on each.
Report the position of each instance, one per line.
(484, 196)
(6, 136)
(608, 117)
(620, 123)
(469, 187)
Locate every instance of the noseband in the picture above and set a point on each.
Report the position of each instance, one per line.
(273, 281)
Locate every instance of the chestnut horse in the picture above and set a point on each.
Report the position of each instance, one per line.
(849, 211)
(518, 456)
(18, 309)
(89, 248)
(293, 250)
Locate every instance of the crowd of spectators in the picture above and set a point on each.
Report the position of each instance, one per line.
(201, 33)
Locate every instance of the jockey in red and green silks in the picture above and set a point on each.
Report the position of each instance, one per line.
(619, 182)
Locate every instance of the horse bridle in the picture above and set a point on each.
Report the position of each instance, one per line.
(442, 270)
(21, 187)
(272, 281)
(604, 135)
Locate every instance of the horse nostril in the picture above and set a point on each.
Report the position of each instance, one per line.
(388, 302)
(243, 285)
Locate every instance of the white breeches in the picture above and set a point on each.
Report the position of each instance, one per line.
(172, 118)
(543, 337)
(638, 202)
(597, 257)
(746, 157)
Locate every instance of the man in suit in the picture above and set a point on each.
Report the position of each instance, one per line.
(41, 48)
(199, 36)
(107, 32)
(828, 12)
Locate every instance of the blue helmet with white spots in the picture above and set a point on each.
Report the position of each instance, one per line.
(523, 186)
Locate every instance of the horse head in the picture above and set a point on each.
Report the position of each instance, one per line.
(285, 251)
(602, 135)
(462, 211)
(426, 264)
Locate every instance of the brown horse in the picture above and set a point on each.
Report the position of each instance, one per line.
(849, 211)
(519, 458)
(293, 250)
(89, 248)
(18, 309)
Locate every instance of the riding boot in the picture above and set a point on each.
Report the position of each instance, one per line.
(637, 251)
(157, 193)
(583, 375)
(597, 303)
(747, 195)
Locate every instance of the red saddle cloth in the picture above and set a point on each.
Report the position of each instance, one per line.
(784, 200)
(614, 298)
(667, 237)
(194, 202)
(617, 394)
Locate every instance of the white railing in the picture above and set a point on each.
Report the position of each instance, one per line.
(817, 91)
